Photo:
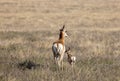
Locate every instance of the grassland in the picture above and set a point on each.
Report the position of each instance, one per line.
(29, 27)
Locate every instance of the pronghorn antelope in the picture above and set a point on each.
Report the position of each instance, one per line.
(71, 58)
(58, 46)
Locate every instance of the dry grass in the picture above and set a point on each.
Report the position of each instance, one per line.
(29, 27)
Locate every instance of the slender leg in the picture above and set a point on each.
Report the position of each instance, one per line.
(72, 65)
(62, 65)
(59, 63)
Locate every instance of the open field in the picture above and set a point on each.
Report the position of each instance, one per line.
(29, 27)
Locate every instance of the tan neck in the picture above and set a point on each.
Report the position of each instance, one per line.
(61, 37)
(69, 55)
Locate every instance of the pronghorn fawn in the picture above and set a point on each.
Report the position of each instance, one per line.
(71, 58)
(58, 47)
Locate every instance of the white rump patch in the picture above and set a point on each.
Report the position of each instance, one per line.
(73, 58)
(58, 48)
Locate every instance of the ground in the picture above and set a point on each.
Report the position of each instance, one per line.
(29, 27)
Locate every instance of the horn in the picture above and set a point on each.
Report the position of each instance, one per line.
(63, 27)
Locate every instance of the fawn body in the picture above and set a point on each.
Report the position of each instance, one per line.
(71, 58)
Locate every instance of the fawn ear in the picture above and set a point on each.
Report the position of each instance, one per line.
(67, 49)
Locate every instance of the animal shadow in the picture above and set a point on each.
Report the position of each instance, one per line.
(28, 65)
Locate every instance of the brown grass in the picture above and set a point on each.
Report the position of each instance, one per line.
(29, 27)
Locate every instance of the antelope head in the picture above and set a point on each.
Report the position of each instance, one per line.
(64, 31)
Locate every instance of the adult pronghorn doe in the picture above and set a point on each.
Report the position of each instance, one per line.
(58, 47)
(71, 58)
